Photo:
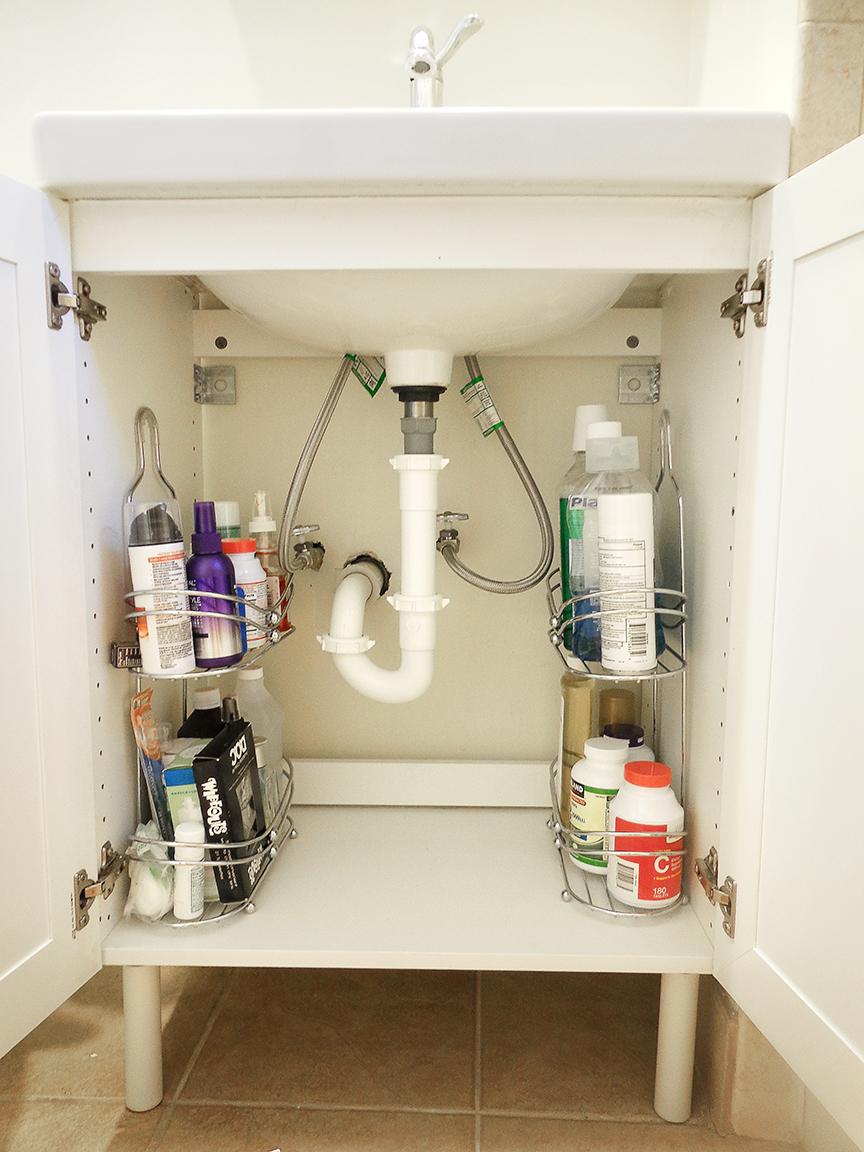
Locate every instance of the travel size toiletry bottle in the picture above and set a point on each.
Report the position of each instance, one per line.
(263, 530)
(227, 514)
(218, 643)
(252, 586)
(189, 871)
(571, 514)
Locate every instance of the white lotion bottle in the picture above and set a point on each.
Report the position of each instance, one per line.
(189, 871)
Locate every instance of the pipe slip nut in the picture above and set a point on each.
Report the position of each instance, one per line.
(417, 603)
(341, 646)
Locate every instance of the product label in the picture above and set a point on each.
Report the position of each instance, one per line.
(626, 560)
(589, 813)
(481, 405)
(255, 597)
(655, 877)
(166, 636)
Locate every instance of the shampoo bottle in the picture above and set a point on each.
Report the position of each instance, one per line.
(218, 642)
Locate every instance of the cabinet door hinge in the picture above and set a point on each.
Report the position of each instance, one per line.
(85, 890)
(754, 297)
(215, 384)
(724, 894)
(60, 301)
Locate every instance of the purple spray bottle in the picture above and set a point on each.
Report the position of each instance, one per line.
(218, 642)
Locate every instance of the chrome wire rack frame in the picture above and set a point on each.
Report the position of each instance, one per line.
(267, 620)
(268, 844)
(671, 661)
(591, 891)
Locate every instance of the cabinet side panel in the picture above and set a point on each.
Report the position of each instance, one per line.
(700, 386)
(142, 355)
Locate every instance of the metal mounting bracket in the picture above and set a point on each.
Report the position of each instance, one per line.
(60, 301)
(638, 383)
(755, 298)
(215, 385)
(85, 890)
(724, 895)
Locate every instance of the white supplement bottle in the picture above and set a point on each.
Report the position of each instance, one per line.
(251, 584)
(645, 803)
(594, 782)
(189, 871)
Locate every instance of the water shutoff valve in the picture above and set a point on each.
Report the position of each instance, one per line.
(308, 553)
(448, 537)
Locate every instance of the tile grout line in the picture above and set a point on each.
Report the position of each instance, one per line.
(165, 1119)
(478, 1061)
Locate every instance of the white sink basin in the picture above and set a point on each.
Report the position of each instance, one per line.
(410, 151)
(399, 291)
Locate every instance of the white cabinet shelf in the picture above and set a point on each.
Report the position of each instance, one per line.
(421, 887)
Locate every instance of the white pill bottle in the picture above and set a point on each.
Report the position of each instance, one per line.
(645, 803)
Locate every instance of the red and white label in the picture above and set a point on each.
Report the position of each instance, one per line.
(648, 877)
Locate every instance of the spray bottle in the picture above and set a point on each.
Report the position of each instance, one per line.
(218, 642)
(263, 530)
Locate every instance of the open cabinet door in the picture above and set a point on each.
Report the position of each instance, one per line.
(793, 780)
(46, 771)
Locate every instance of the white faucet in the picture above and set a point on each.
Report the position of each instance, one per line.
(424, 67)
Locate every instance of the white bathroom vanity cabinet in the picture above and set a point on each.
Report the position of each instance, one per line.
(439, 855)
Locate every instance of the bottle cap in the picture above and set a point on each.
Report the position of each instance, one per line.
(206, 698)
(262, 521)
(205, 538)
(617, 706)
(632, 733)
(612, 454)
(648, 774)
(155, 525)
(605, 748)
(586, 414)
(238, 545)
(600, 428)
(250, 674)
(227, 518)
(190, 812)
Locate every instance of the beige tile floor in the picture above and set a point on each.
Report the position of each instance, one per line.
(358, 1061)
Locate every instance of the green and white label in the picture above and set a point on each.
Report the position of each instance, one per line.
(482, 406)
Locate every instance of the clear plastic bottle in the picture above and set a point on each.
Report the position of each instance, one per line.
(625, 553)
(263, 530)
(582, 565)
(594, 783)
(266, 716)
(645, 803)
(570, 517)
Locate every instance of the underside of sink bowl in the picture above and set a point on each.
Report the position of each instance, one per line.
(452, 311)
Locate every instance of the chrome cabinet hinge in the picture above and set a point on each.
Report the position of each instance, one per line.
(60, 301)
(215, 385)
(754, 297)
(724, 895)
(85, 890)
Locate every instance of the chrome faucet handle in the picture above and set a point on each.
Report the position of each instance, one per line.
(424, 67)
(457, 38)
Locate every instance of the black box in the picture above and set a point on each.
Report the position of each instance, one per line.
(226, 776)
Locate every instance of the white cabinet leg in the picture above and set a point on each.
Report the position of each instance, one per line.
(676, 1041)
(142, 1012)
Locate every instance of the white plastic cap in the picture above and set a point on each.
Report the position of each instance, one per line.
(227, 513)
(602, 428)
(250, 674)
(190, 812)
(262, 521)
(586, 414)
(607, 748)
(206, 698)
(612, 454)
